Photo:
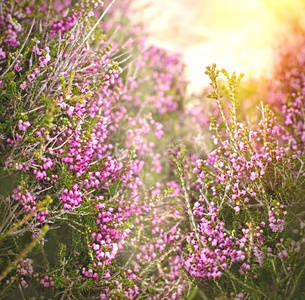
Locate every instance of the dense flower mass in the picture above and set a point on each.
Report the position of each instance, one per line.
(117, 187)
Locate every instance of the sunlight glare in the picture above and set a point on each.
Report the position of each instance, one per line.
(239, 35)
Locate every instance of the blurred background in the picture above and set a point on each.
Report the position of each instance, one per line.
(239, 35)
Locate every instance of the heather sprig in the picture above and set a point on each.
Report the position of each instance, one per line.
(240, 218)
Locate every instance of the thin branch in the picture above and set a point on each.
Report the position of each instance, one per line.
(26, 250)
(23, 45)
(96, 24)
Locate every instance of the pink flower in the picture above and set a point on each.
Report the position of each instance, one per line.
(253, 176)
(23, 125)
(24, 284)
(2, 53)
(237, 209)
(23, 85)
(31, 77)
(35, 49)
(18, 68)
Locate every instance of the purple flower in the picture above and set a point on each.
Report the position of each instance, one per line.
(18, 68)
(2, 53)
(23, 85)
(31, 77)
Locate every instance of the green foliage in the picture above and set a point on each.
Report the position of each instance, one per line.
(61, 252)
(60, 282)
(118, 295)
(9, 101)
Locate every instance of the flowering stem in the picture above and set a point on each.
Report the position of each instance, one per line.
(18, 225)
(96, 24)
(185, 190)
(23, 45)
(296, 282)
(26, 250)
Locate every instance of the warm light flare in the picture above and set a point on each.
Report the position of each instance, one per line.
(239, 35)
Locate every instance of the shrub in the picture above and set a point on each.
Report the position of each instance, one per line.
(246, 205)
(114, 186)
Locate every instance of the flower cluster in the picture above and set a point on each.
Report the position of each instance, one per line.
(25, 270)
(86, 134)
(47, 282)
(71, 198)
(9, 22)
(64, 24)
(24, 197)
(89, 274)
(28, 202)
(23, 125)
(276, 223)
(216, 248)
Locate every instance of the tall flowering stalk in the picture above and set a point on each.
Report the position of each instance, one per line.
(246, 236)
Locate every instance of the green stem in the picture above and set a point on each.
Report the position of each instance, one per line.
(242, 283)
(296, 283)
(26, 250)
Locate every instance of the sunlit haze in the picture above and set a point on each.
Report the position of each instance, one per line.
(239, 35)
